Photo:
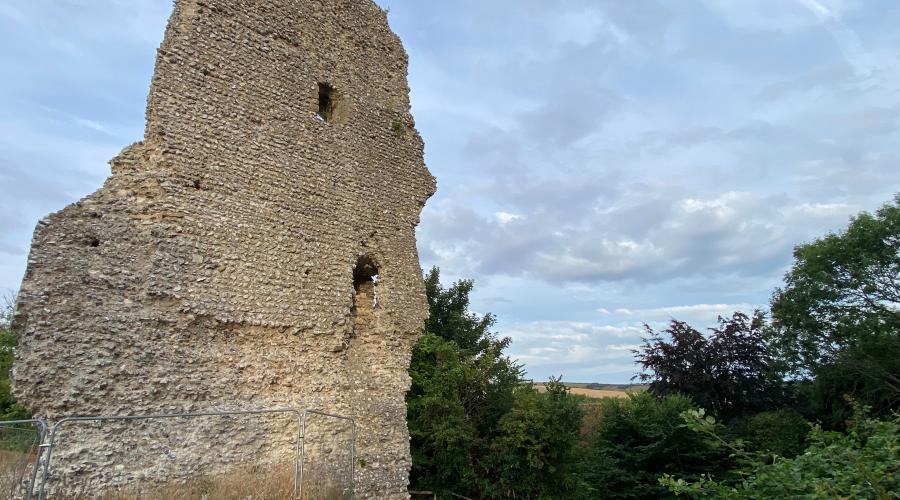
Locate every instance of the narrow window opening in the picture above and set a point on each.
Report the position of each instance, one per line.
(365, 298)
(326, 102)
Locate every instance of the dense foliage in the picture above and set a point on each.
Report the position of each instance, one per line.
(639, 438)
(836, 328)
(533, 455)
(475, 428)
(864, 462)
(729, 372)
(868, 371)
(836, 321)
(9, 408)
(781, 432)
(842, 289)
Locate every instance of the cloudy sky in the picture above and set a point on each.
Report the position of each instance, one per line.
(600, 163)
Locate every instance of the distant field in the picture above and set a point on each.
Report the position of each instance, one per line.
(593, 390)
(598, 393)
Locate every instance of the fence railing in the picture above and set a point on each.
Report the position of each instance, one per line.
(337, 473)
(28, 459)
(21, 443)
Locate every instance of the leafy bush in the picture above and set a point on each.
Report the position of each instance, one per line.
(863, 463)
(534, 453)
(867, 372)
(778, 432)
(639, 438)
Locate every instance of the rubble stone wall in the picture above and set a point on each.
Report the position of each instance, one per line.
(227, 262)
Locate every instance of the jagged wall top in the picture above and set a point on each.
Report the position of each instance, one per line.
(231, 118)
(346, 42)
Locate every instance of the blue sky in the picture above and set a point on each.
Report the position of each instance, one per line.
(600, 163)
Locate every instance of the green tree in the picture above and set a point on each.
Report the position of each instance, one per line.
(462, 385)
(488, 394)
(475, 428)
(9, 408)
(841, 287)
(534, 455)
(837, 318)
(865, 371)
(639, 438)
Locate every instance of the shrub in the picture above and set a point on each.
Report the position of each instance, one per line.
(863, 463)
(865, 372)
(639, 438)
(778, 432)
(534, 454)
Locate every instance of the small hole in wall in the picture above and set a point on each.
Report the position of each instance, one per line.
(365, 278)
(196, 184)
(93, 242)
(364, 271)
(327, 104)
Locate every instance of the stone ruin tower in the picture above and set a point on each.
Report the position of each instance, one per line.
(228, 261)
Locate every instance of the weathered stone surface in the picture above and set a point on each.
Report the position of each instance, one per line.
(215, 267)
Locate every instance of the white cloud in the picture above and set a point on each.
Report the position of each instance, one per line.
(821, 209)
(506, 217)
(722, 208)
(693, 310)
(622, 347)
(818, 9)
(570, 331)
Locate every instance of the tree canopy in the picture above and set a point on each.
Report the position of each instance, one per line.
(836, 321)
(476, 429)
(843, 289)
(730, 372)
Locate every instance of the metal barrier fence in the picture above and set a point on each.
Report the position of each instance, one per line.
(20, 448)
(37, 451)
(334, 476)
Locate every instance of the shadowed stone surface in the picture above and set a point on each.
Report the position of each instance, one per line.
(227, 262)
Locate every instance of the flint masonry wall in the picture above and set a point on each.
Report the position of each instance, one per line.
(227, 261)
